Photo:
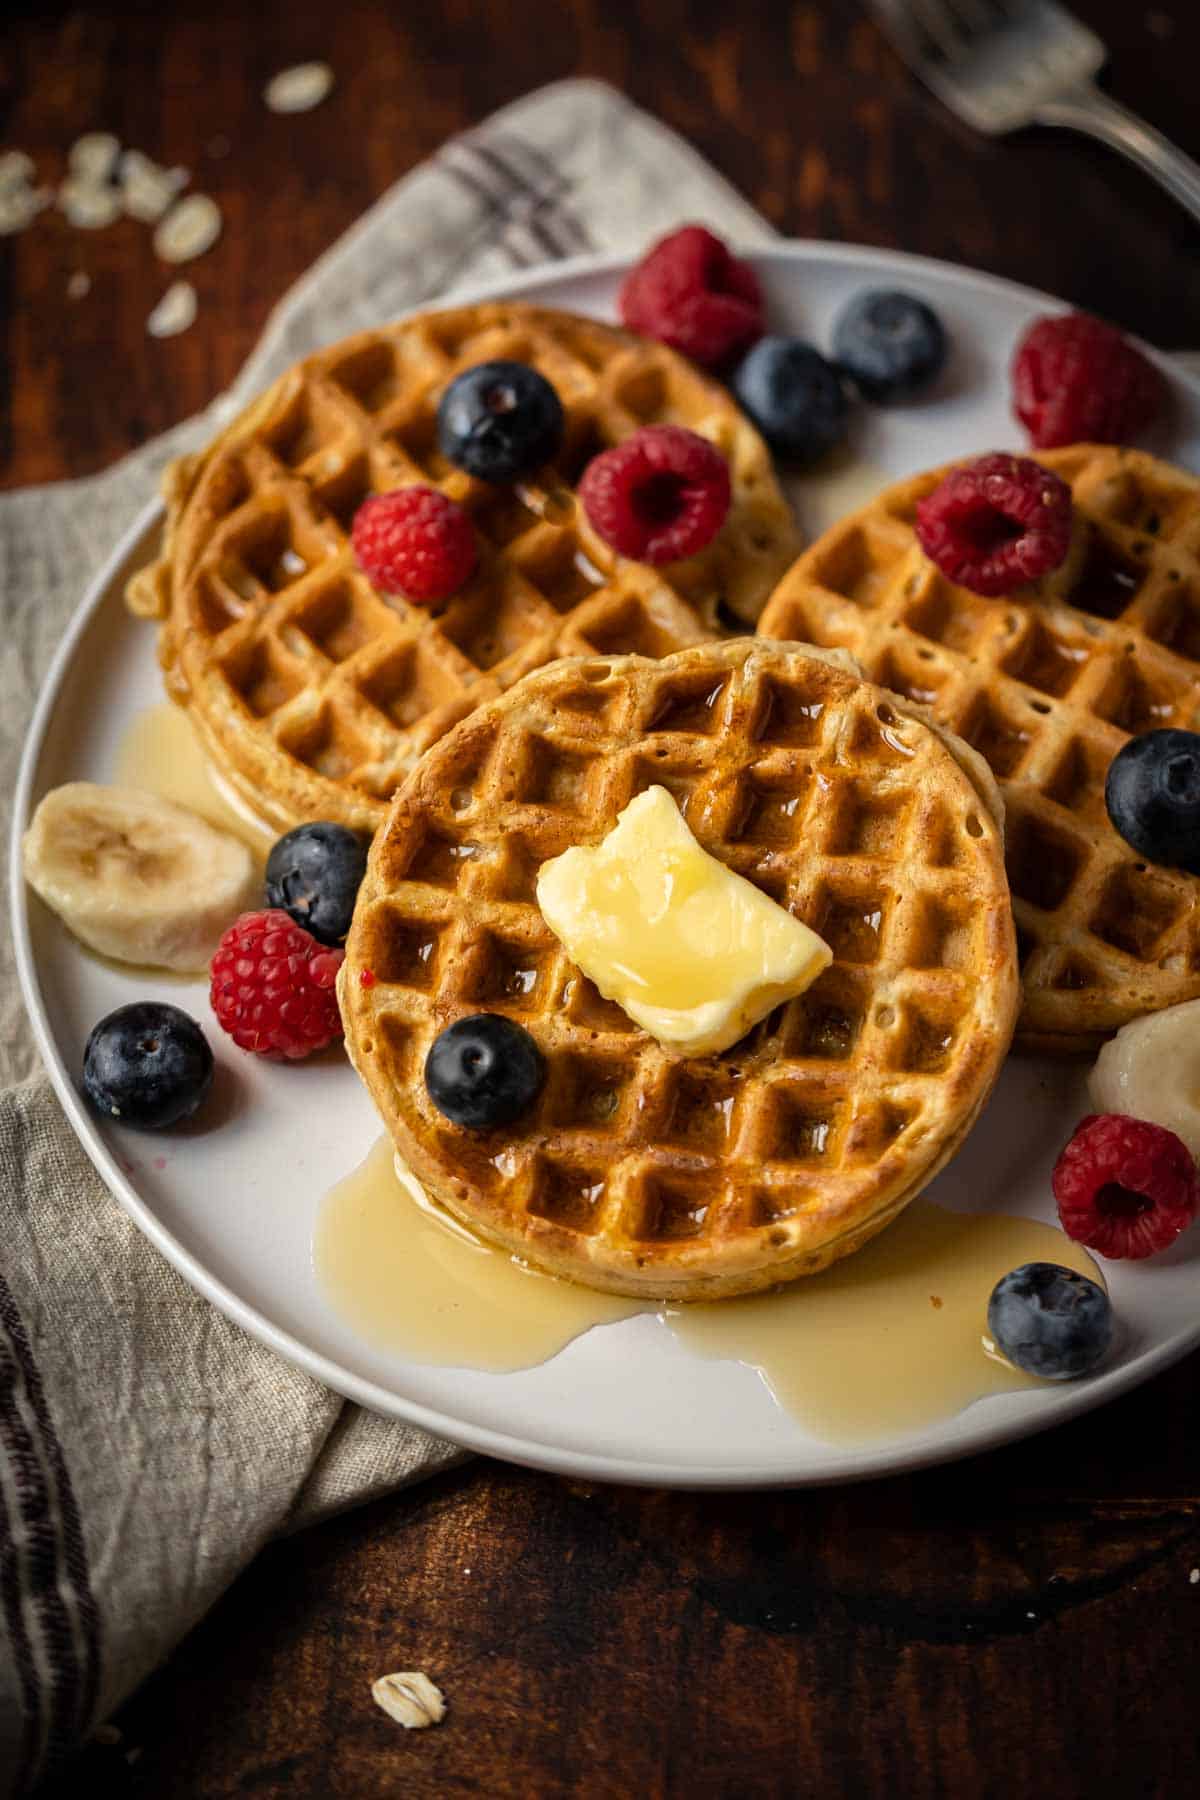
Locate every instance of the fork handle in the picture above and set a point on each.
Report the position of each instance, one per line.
(1085, 108)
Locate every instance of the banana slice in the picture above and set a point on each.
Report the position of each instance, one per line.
(137, 877)
(1151, 1070)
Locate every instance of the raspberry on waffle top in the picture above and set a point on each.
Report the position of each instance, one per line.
(312, 692)
(638, 1170)
(1047, 685)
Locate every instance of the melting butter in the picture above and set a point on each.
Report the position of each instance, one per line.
(888, 1341)
(693, 952)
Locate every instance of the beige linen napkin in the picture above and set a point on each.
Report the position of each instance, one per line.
(148, 1447)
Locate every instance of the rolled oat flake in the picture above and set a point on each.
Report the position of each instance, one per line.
(410, 1698)
(87, 204)
(189, 229)
(147, 189)
(16, 170)
(93, 157)
(174, 312)
(20, 205)
(298, 89)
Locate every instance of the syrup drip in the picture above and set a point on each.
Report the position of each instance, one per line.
(890, 1340)
(412, 1279)
(161, 753)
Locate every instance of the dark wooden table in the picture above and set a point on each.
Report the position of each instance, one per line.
(1021, 1624)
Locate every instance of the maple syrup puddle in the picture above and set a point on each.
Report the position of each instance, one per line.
(161, 753)
(894, 1338)
(891, 1340)
(408, 1277)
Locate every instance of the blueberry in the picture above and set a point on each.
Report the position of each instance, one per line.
(890, 344)
(147, 1065)
(500, 420)
(1153, 797)
(1050, 1321)
(483, 1071)
(794, 397)
(314, 873)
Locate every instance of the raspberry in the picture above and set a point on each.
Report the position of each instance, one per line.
(995, 524)
(1125, 1188)
(1077, 380)
(692, 294)
(661, 495)
(414, 542)
(273, 987)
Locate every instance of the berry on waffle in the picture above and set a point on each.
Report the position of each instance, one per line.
(1047, 685)
(313, 692)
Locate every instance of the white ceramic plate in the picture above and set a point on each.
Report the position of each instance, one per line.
(233, 1206)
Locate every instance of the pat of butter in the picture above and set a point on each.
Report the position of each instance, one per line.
(694, 953)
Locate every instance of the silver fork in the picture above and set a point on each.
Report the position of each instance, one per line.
(1001, 64)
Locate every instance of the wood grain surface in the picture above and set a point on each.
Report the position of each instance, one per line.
(1025, 1623)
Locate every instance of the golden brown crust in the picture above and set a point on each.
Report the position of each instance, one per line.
(640, 1171)
(314, 694)
(1048, 688)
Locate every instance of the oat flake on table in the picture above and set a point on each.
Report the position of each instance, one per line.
(19, 207)
(90, 205)
(93, 157)
(147, 189)
(20, 201)
(298, 89)
(174, 312)
(189, 229)
(410, 1698)
(16, 170)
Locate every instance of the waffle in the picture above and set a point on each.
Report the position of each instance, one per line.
(644, 1172)
(312, 693)
(1047, 689)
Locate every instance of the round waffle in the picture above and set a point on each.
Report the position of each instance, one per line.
(313, 693)
(1047, 688)
(638, 1170)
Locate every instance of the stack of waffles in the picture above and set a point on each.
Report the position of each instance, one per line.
(640, 1171)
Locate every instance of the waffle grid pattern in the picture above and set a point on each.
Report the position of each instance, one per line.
(315, 692)
(639, 1168)
(1047, 691)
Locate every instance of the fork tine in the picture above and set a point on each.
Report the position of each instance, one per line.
(997, 64)
(976, 17)
(999, 12)
(946, 30)
(942, 31)
(897, 20)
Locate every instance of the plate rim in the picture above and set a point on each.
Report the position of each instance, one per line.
(860, 1463)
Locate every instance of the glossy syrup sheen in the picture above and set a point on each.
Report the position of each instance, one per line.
(890, 1340)
(161, 753)
(893, 1338)
(410, 1278)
